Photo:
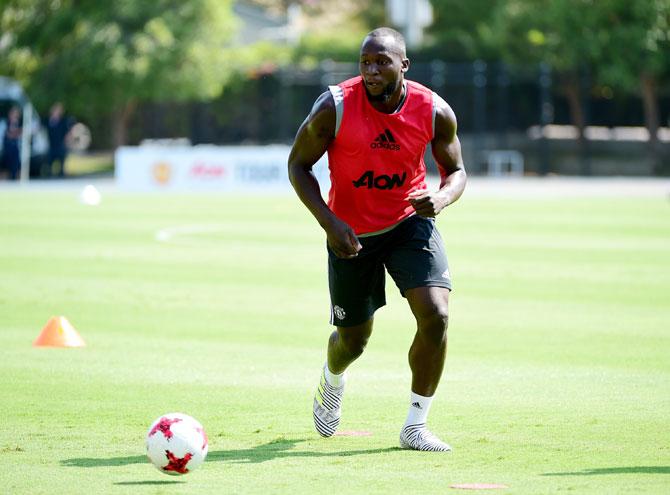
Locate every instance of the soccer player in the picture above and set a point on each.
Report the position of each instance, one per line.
(380, 215)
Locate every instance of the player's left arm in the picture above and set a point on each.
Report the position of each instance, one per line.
(447, 153)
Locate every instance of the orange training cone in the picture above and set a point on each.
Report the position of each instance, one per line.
(58, 332)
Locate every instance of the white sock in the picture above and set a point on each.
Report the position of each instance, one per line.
(333, 379)
(418, 409)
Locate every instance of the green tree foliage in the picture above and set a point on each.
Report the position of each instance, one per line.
(621, 43)
(618, 39)
(98, 56)
(635, 39)
(559, 33)
(329, 29)
(465, 30)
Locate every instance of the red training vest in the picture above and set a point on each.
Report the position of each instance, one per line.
(376, 159)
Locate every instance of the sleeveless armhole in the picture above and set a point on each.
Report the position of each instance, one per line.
(436, 102)
(338, 97)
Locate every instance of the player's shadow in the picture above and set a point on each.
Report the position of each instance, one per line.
(274, 449)
(281, 448)
(616, 470)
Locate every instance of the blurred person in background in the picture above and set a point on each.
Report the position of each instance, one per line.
(11, 143)
(380, 216)
(58, 127)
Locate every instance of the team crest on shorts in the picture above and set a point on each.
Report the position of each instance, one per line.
(340, 314)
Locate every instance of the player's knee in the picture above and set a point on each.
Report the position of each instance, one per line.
(354, 339)
(433, 324)
(355, 344)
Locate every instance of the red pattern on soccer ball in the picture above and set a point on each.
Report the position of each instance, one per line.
(176, 464)
(164, 427)
(205, 440)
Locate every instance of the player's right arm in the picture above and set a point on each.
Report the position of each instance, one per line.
(311, 142)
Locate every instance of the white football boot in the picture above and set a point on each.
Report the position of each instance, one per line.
(327, 407)
(418, 437)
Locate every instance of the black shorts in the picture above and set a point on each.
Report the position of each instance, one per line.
(413, 254)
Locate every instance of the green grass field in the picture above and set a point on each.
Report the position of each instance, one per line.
(557, 379)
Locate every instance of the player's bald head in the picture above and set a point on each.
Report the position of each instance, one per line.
(391, 39)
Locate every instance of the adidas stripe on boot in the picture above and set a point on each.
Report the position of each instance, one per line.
(327, 402)
(418, 437)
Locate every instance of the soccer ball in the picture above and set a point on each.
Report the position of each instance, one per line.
(176, 444)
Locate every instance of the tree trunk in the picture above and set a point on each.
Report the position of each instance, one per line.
(651, 117)
(120, 119)
(573, 93)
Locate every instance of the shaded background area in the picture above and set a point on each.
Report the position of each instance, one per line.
(504, 112)
(577, 87)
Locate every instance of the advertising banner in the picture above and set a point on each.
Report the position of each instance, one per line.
(207, 168)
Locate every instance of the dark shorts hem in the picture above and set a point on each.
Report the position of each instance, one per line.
(354, 321)
(444, 285)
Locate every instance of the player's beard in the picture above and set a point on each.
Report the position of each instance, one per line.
(386, 94)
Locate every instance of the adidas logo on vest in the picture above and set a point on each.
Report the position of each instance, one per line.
(386, 141)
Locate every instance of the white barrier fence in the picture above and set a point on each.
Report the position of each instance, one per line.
(207, 168)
